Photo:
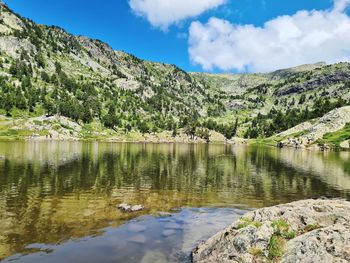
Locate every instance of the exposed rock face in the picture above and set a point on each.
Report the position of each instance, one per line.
(237, 105)
(333, 121)
(345, 145)
(299, 128)
(330, 244)
(303, 231)
(13, 46)
(322, 81)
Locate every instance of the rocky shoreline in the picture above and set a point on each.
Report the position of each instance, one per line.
(303, 231)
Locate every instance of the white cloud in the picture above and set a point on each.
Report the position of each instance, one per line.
(286, 41)
(163, 13)
(341, 5)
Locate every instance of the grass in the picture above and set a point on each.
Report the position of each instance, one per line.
(277, 241)
(276, 244)
(281, 228)
(256, 252)
(244, 222)
(273, 140)
(14, 134)
(266, 141)
(335, 138)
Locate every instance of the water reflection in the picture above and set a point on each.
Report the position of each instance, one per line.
(52, 192)
(146, 239)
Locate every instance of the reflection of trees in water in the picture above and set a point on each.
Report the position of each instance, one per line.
(201, 169)
(327, 170)
(296, 174)
(57, 191)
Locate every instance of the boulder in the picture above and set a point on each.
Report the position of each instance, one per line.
(303, 231)
(131, 208)
(344, 145)
(135, 208)
(124, 207)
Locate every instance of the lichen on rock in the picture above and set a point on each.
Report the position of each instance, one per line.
(302, 231)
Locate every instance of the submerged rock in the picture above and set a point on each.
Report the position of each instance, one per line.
(168, 232)
(129, 208)
(303, 231)
(164, 214)
(141, 239)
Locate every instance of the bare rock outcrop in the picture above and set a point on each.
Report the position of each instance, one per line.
(303, 231)
(333, 121)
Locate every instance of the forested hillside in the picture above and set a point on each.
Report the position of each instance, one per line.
(46, 71)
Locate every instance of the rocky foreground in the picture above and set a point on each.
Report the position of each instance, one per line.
(303, 231)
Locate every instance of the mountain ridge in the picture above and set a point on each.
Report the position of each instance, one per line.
(46, 70)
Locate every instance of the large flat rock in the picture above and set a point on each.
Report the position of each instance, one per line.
(303, 231)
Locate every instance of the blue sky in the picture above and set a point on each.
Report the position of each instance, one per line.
(127, 26)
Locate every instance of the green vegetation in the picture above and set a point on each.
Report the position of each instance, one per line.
(281, 228)
(278, 239)
(244, 222)
(85, 80)
(256, 252)
(276, 244)
(335, 138)
(277, 121)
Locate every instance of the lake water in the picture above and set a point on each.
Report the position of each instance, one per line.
(58, 199)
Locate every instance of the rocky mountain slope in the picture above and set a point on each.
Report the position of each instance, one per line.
(307, 133)
(44, 70)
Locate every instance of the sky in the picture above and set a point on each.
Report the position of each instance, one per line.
(207, 35)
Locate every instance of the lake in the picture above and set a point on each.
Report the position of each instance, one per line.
(58, 200)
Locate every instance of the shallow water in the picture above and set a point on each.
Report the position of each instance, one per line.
(144, 239)
(58, 199)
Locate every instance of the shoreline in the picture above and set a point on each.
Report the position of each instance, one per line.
(58, 128)
(180, 140)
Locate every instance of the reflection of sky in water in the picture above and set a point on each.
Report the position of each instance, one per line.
(146, 239)
(59, 191)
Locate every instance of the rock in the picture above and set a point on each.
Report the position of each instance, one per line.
(237, 105)
(124, 207)
(332, 121)
(168, 232)
(296, 129)
(129, 208)
(344, 144)
(137, 228)
(325, 80)
(281, 144)
(164, 214)
(135, 208)
(329, 244)
(305, 231)
(141, 239)
(154, 257)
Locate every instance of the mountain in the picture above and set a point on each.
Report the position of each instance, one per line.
(87, 86)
